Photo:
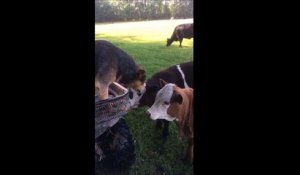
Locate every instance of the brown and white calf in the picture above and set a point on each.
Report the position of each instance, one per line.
(180, 74)
(173, 103)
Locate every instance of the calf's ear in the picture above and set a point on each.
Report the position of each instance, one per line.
(176, 98)
(162, 83)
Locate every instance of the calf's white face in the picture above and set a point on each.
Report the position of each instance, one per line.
(162, 102)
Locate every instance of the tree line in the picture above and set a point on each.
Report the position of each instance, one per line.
(135, 10)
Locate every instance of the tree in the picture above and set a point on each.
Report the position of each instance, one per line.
(123, 10)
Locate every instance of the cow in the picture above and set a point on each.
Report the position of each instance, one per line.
(181, 31)
(173, 103)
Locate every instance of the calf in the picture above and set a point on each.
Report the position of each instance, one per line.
(181, 75)
(173, 103)
(181, 31)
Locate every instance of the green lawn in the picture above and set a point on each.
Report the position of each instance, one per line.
(146, 41)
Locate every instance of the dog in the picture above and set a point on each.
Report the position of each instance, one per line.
(181, 31)
(173, 103)
(114, 65)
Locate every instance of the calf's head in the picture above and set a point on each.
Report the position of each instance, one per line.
(146, 96)
(167, 103)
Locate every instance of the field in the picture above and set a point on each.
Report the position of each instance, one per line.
(146, 43)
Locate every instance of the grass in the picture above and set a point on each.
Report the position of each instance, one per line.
(146, 41)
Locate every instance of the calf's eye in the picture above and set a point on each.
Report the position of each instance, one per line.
(166, 103)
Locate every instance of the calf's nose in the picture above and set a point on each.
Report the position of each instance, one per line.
(148, 113)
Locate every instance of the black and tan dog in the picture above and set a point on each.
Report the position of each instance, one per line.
(114, 65)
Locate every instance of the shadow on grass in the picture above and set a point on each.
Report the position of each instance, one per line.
(154, 157)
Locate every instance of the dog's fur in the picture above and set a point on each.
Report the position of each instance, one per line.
(181, 31)
(176, 104)
(114, 65)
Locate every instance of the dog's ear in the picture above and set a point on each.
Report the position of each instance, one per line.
(141, 75)
(176, 98)
(162, 83)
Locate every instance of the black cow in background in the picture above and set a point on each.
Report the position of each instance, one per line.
(181, 31)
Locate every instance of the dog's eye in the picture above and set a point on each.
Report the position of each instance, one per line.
(166, 103)
(130, 94)
(139, 93)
